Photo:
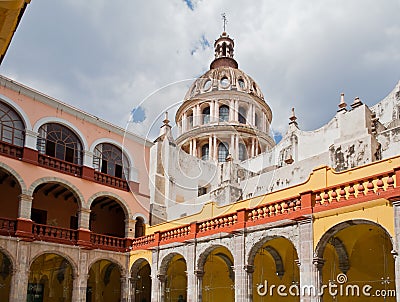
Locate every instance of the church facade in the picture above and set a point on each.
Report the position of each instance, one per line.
(225, 213)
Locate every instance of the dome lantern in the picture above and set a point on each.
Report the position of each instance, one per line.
(223, 50)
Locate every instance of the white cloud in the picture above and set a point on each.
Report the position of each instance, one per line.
(106, 57)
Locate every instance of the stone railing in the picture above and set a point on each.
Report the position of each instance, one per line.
(376, 186)
(106, 242)
(298, 207)
(175, 233)
(11, 150)
(7, 226)
(53, 234)
(60, 165)
(111, 181)
(144, 241)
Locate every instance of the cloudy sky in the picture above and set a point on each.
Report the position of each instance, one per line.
(110, 57)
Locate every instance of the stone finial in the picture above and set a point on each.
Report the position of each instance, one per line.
(166, 120)
(357, 102)
(342, 105)
(293, 118)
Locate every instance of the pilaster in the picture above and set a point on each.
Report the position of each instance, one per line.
(241, 278)
(396, 247)
(19, 282)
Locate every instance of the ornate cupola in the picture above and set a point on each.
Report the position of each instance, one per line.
(224, 46)
(224, 115)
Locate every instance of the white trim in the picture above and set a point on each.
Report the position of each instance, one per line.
(53, 119)
(19, 110)
(145, 220)
(133, 172)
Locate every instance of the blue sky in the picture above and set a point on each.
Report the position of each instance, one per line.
(110, 57)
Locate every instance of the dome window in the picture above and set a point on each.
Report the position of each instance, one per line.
(206, 115)
(242, 115)
(242, 152)
(225, 82)
(224, 113)
(205, 152)
(241, 84)
(223, 152)
(207, 85)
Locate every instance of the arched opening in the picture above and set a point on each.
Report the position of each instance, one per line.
(56, 205)
(242, 152)
(205, 152)
(223, 152)
(224, 113)
(12, 127)
(176, 280)
(5, 276)
(109, 159)
(50, 279)
(219, 278)
(139, 227)
(60, 142)
(361, 253)
(275, 262)
(242, 115)
(256, 120)
(189, 120)
(104, 283)
(224, 49)
(105, 209)
(206, 115)
(10, 191)
(141, 281)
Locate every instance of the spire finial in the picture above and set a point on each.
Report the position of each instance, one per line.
(166, 120)
(224, 20)
(357, 102)
(342, 106)
(293, 118)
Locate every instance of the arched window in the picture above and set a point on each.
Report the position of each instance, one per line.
(223, 151)
(11, 126)
(139, 227)
(242, 152)
(190, 121)
(110, 160)
(224, 113)
(256, 120)
(206, 115)
(205, 152)
(60, 142)
(242, 115)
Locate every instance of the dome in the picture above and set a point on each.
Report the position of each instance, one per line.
(224, 79)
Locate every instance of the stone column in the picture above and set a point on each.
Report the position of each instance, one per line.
(155, 281)
(264, 122)
(191, 269)
(236, 146)
(199, 285)
(236, 111)
(241, 282)
(318, 265)
(184, 122)
(88, 158)
(25, 206)
(215, 147)
(130, 228)
(252, 147)
(191, 147)
(31, 139)
(19, 282)
(231, 110)
(305, 253)
(84, 218)
(232, 146)
(210, 148)
(194, 147)
(249, 286)
(396, 247)
(216, 107)
(125, 288)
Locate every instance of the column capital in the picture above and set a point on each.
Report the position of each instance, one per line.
(395, 202)
(161, 277)
(25, 197)
(249, 269)
(199, 273)
(318, 262)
